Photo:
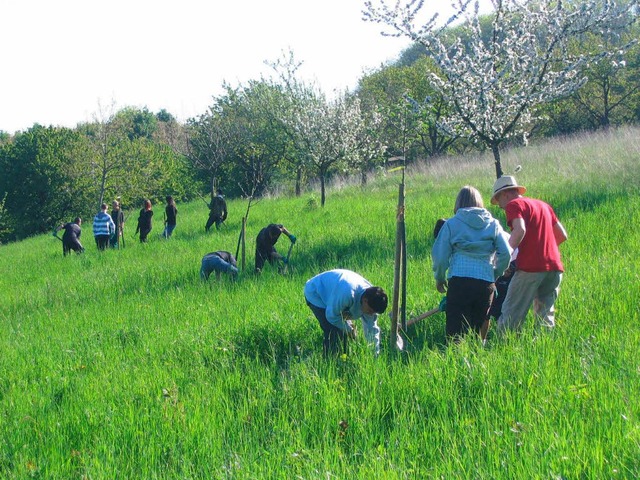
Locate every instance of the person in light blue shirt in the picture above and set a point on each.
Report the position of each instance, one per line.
(470, 252)
(336, 297)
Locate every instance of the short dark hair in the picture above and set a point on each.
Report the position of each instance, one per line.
(77, 220)
(439, 224)
(376, 299)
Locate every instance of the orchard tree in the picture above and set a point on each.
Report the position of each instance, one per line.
(252, 112)
(369, 148)
(209, 144)
(494, 80)
(613, 84)
(296, 96)
(325, 134)
(396, 90)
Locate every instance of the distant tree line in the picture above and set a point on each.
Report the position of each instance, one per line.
(280, 133)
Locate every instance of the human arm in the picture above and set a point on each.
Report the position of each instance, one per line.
(440, 255)
(371, 331)
(337, 312)
(518, 231)
(503, 252)
(559, 233)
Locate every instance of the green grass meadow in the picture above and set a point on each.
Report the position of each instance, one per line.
(124, 364)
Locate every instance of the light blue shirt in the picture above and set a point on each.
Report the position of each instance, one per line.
(339, 292)
(469, 245)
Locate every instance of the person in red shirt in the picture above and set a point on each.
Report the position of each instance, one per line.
(536, 232)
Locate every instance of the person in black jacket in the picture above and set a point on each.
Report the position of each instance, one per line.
(144, 221)
(170, 217)
(217, 211)
(71, 236)
(219, 262)
(265, 244)
(117, 216)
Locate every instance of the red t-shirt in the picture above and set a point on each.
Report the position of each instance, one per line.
(538, 251)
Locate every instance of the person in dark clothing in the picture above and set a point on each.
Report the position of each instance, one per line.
(217, 211)
(502, 286)
(144, 221)
(170, 217)
(265, 244)
(219, 262)
(71, 236)
(118, 218)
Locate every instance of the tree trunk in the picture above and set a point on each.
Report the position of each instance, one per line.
(496, 156)
(322, 190)
(298, 182)
(363, 177)
(399, 287)
(103, 180)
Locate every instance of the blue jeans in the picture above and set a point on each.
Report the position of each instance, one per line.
(168, 230)
(213, 263)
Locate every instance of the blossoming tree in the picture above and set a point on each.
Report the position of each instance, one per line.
(494, 76)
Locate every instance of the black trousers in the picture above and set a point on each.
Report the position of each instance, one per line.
(213, 218)
(102, 241)
(468, 304)
(335, 340)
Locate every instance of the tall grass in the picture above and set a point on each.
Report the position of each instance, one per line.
(124, 364)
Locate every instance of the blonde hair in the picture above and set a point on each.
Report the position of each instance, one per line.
(468, 197)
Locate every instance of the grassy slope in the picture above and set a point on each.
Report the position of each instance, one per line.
(124, 364)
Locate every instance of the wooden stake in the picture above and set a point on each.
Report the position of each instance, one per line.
(243, 236)
(398, 284)
(423, 316)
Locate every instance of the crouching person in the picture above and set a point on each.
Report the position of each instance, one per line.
(71, 236)
(218, 262)
(336, 297)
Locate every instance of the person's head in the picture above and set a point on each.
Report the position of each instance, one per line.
(439, 224)
(77, 220)
(115, 205)
(170, 200)
(374, 300)
(147, 204)
(103, 207)
(505, 189)
(468, 197)
(219, 191)
(274, 231)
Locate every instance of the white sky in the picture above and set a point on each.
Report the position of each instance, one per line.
(63, 59)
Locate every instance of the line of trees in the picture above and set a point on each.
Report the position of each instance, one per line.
(464, 86)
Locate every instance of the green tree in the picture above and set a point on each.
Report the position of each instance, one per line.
(412, 107)
(44, 179)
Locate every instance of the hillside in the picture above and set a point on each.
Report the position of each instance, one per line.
(124, 364)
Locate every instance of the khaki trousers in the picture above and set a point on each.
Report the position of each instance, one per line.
(526, 288)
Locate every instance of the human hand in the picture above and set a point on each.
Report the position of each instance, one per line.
(352, 334)
(441, 287)
(292, 237)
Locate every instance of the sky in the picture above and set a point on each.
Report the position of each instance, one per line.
(68, 61)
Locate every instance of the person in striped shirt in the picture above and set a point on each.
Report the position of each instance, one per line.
(103, 227)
